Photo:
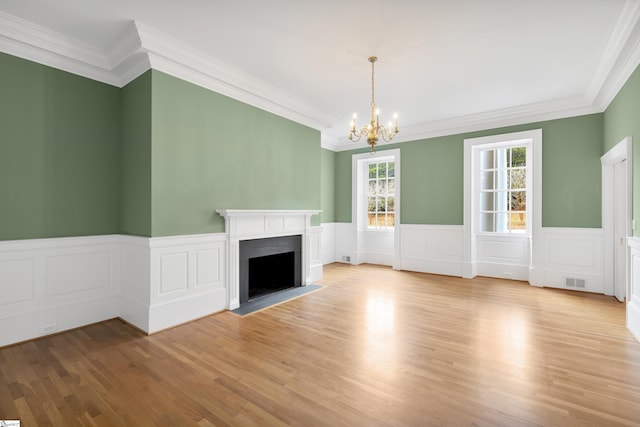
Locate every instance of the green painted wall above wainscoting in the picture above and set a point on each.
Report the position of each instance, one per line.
(432, 187)
(59, 153)
(212, 152)
(622, 119)
(328, 186)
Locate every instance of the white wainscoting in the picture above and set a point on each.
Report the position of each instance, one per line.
(328, 243)
(135, 296)
(569, 253)
(345, 242)
(507, 257)
(52, 285)
(434, 249)
(187, 279)
(562, 253)
(315, 253)
(633, 298)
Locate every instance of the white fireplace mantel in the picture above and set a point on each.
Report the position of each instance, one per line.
(248, 224)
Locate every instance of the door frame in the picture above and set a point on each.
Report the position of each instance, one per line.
(621, 151)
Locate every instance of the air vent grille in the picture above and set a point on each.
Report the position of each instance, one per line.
(572, 282)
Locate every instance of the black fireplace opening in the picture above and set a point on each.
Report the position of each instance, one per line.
(269, 265)
(270, 273)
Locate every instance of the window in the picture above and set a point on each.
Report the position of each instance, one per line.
(380, 195)
(503, 190)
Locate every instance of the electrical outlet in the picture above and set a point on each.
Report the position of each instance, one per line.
(48, 329)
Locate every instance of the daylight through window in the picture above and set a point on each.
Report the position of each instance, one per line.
(503, 190)
(380, 196)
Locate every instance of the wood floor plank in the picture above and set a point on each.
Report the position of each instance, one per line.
(374, 347)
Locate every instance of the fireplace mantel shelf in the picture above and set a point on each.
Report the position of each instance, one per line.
(256, 212)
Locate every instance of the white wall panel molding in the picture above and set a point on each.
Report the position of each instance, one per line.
(633, 298)
(434, 249)
(187, 278)
(571, 253)
(57, 284)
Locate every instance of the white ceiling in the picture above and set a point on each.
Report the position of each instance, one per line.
(444, 65)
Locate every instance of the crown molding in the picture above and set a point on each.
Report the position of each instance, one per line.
(179, 60)
(139, 48)
(525, 114)
(620, 58)
(29, 41)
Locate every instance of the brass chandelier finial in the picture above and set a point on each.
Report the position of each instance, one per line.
(374, 131)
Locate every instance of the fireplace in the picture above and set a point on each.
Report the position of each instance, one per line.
(243, 225)
(269, 265)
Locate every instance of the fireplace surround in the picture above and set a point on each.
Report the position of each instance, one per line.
(253, 224)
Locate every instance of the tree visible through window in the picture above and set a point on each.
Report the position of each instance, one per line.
(503, 190)
(380, 196)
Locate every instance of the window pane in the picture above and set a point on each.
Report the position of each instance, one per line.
(518, 179)
(518, 201)
(390, 204)
(486, 201)
(518, 156)
(486, 159)
(373, 219)
(501, 180)
(486, 180)
(486, 222)
(391, 220)
(371, 205)
(518, 221)
(391, 170)
(500, 202)
(382, 204)
(372, 187)
(372, 170)
(382, 187)
(382, 170)
(391, 186)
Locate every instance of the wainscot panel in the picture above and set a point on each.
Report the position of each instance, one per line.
(570, 256)
(52, 285)
(187, 278)
(436, 249)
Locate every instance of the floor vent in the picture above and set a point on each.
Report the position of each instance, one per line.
(571, 282)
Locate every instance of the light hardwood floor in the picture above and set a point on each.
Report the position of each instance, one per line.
(373, 347)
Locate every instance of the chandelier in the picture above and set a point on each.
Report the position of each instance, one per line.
(373, 130)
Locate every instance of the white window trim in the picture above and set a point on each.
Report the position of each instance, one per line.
(471, 199)
(358, 212)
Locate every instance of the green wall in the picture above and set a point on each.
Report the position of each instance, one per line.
(211, 152)
(432, 184)
(59, 153)
(622, 119)
(136, 157)
(328, 186)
